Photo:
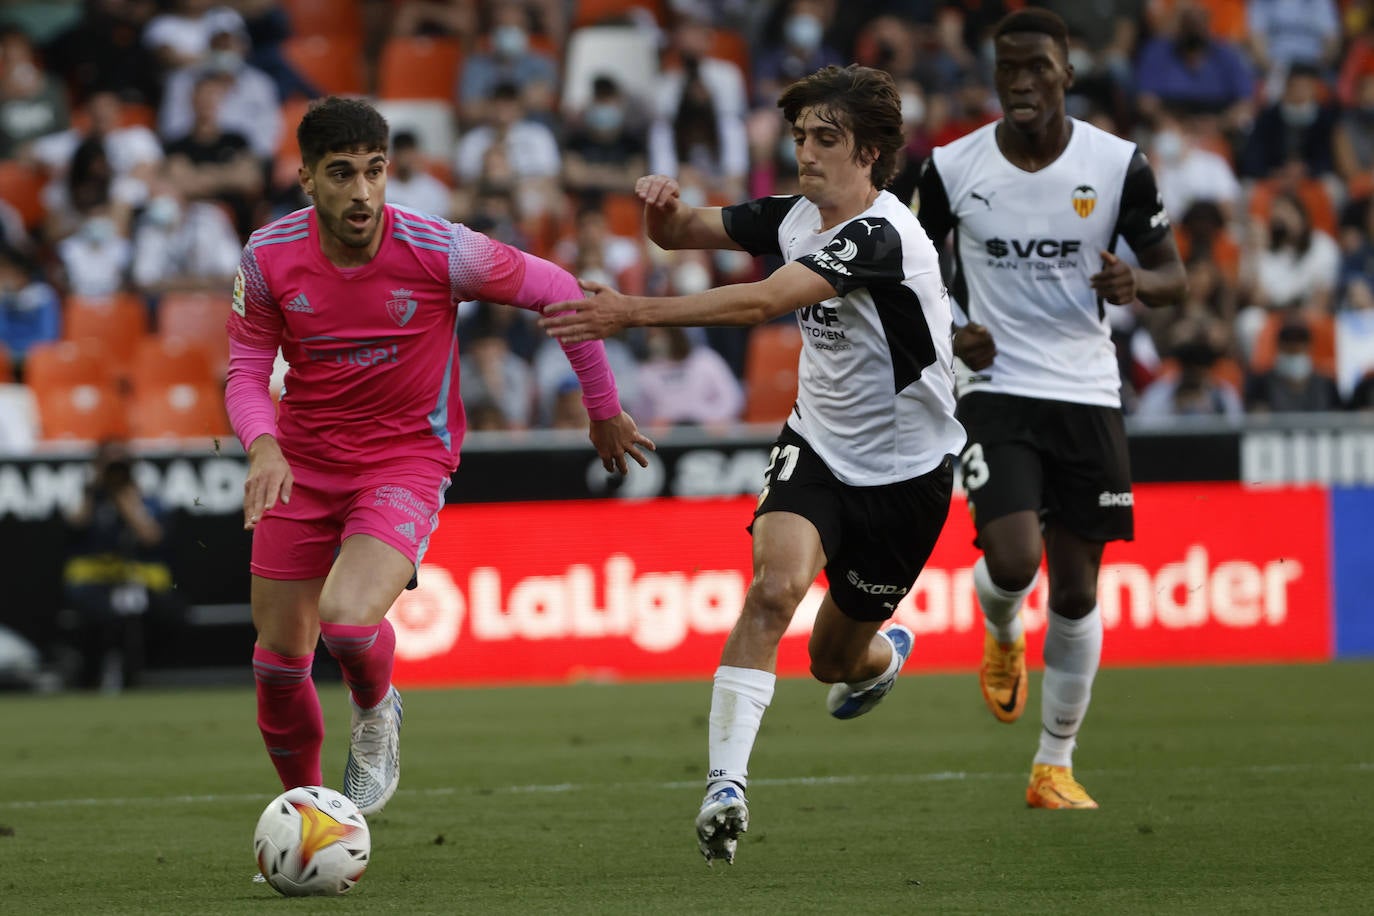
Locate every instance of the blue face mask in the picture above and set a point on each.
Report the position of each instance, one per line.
(803, 31)
(605, 118)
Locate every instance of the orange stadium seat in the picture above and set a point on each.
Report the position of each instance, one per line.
(419, 68)
(770, 372)
(624, 215)
(178, 412)
(325, 17)
(198, 317)
(21, 187)
(82, 412)
(162, 362)
(64, 363)
(334, 63)
(119, 321)
(288, 157)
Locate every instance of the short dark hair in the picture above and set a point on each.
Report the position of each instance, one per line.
(862, 100)
(1035, 19)
(333, 125)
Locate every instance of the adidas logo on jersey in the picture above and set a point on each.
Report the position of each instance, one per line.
(300, 304)
(407, 529)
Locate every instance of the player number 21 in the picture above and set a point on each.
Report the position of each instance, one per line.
(789, 455)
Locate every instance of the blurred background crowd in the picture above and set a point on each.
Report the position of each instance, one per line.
(142, 140)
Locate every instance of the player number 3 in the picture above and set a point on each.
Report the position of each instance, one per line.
(974, 467)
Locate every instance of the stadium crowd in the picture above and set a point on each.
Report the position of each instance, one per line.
(140, 141)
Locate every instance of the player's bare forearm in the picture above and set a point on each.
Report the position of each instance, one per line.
(616, 437)
(1162, 286)
(673, 224)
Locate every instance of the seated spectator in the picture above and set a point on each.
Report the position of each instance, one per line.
(269, 26)
(182, 36)
(250, 107)
(689, 60)
(701, 133)
(435, 18)
(133, 151)
(410, 184)
(529, 148)
(509, 60)
(1353, 140)
(686, 383)
(1186, 172)
(1284, 33)
(793, 48)
(211, 163)
(594, 253)
(1191, 391)
(1293, 385)
(493, 210)
(1296, 265)
(1296, 128)
(1189, 71)
(184, 245)
(30, 311)
(95, 259)
(568, 411)
(89, 183)
(1202, 233)
(605, 150)
(32, 102)
(551, 372)
(492, 374)
(970, 106)
(1355, 336)
(1362, 398)
(103, 50)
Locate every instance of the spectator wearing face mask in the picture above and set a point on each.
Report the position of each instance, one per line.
(1296, 128)
(183, 245)
(1293, 385)
(1353, 139)
(686, 383)
(797, 48)
(250, 105)
(409, 184)
(605, 152)
(509, 59)
(1191, 390)
(1187, 172)
(1189, 71)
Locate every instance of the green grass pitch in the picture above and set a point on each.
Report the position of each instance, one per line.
(1223, 790)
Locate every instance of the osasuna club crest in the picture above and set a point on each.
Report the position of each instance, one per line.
(400, 306)
(1084, 199)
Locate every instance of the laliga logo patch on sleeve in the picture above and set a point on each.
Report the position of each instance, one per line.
(237, 303)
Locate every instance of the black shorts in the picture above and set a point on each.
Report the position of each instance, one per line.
(876, 539)
(1069, 462)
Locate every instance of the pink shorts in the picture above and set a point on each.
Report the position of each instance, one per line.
(397, 504)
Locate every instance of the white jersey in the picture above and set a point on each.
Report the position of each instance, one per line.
(1026, 244)
(875, 394)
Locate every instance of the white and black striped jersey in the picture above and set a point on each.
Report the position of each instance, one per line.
(1026, 244)
(875, 396)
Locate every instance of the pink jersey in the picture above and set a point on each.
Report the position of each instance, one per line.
(373, 350)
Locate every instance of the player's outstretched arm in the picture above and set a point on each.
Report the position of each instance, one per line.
(607, 312)
(673, 224)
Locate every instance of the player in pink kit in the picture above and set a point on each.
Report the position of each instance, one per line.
(346, 478)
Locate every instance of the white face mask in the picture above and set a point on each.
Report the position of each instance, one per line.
(803, 31)
(691, 277)
(509, 41)
(1169, 145)
(99, 229)
(163, 211)
(1293, 366)
(913, 108)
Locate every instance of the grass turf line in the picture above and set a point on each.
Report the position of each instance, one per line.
(1242, 789)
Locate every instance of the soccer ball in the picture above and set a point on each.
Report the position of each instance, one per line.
(312, 841)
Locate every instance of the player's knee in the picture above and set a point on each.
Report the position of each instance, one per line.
(775, 597)
(1012, 569)
(1073, 602)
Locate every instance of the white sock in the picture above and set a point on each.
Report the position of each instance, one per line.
(1073, 649)
(738, 698)
(893, 663)
(1000, 607)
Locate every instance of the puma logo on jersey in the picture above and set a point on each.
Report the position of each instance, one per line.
(864, 223)
(987, 201)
